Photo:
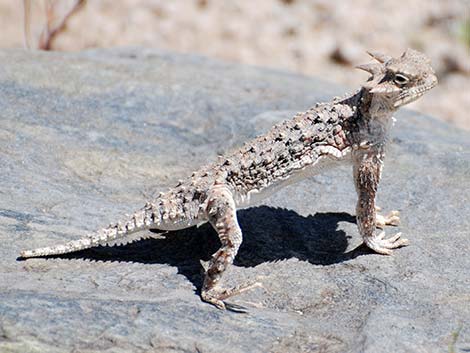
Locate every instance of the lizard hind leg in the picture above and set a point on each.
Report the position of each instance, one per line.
(222, 216)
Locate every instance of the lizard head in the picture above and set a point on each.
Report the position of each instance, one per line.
(399, 81)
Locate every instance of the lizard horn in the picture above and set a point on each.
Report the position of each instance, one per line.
(381, 58)
(372, 68)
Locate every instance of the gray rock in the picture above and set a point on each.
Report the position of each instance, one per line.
(88, 137)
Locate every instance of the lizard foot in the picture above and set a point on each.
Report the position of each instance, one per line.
(216, 296)
(392, 219)
(385, 246)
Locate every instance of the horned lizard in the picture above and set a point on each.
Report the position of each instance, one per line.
(353, 129)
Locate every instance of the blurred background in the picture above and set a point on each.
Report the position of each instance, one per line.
(323, 38)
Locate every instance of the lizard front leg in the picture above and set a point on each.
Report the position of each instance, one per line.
(367, 171)
(221, 213)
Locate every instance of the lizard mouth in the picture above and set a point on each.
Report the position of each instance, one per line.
(413, 94)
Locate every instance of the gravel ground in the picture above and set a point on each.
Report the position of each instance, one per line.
(316, 37)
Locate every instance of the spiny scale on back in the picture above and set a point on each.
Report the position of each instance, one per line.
(352, 129)
(289, 146)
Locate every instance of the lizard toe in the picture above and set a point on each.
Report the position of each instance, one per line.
(385, 246)
(392, 219)
(210, 298)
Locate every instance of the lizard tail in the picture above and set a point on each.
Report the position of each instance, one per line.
(138, 222)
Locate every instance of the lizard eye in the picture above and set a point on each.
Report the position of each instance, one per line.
(400, 79)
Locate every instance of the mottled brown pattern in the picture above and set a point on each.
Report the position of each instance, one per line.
(353, 129)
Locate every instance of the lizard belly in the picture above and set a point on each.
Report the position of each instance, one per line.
(321, 164)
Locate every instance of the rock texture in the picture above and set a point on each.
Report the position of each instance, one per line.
(88, 137)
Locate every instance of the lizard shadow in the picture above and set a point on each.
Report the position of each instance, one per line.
(270, 234)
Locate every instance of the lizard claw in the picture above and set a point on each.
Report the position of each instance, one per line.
(392, 219)
(217, 296)
(379, 244)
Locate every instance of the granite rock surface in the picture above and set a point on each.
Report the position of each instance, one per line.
(88, 137)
